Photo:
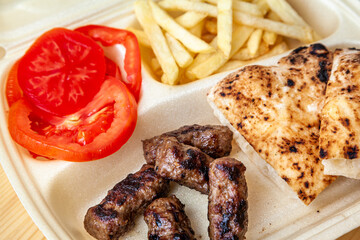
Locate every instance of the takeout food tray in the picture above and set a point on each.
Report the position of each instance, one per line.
(57, 194)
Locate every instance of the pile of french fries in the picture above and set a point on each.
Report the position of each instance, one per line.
(193, 39)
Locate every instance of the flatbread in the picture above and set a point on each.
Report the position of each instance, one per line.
(276, 109)
(340, 123)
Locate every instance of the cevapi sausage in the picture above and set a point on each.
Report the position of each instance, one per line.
(214, 140)
(183, 164)
(227, 209)
(115, 214)
(166, 220)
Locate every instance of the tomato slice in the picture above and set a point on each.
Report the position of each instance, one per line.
(112, 69)
(96, 131)
(14, 93)
(12, 89)
(62, 71)
(132, 62)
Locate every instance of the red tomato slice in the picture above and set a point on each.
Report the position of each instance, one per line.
(12, 89)
(112, 69)
(132, 62)
(94, 132)
(62, 71)
(14, 93)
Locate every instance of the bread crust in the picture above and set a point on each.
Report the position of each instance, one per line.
(276, 109)
(340, 118)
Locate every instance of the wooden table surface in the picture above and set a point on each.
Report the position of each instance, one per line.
(16, 224)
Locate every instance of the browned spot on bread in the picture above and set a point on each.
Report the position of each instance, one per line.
(278, 113)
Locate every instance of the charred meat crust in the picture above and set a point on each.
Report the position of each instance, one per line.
(183, 164)
(115, 214)
(227, 209)
(214, 140)
(166, 220)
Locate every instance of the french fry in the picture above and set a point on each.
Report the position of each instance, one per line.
(243, 54)
(201, 57)
(208, 37)
(279, 39)
(254, 41)
(247, 7)
(214, 2)
(273, 16)
(224, 26)
(301, 33)
(197, 29)
(158, 42)
(213, 43)
(141, 36)
(269, 37)
(211, 36)
(155, 65)
(289, 15)
(209, 66)
(183, 79)
(234, 64)
(211, 26)
(186, 5)
(277, 49)
(286, 13)
(191, 42)
(231, 65)
(181, 55)
(263, 6)
(217, 59)
(190, 19)
(240, 5)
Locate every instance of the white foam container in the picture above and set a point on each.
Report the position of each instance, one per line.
(57, 194)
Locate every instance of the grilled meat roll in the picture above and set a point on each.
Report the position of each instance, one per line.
(183, 164)
(167, 220)
(115, 214)
(227, 209)
(214, 140)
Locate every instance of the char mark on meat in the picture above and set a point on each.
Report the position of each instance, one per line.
(227, 209)
(214, 140)
(167, 220)
(116, 212)
(183, 164)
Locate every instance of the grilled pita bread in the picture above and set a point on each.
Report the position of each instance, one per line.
(276, 109)
(340, 124)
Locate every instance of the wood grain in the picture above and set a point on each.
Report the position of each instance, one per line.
(16, 224)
